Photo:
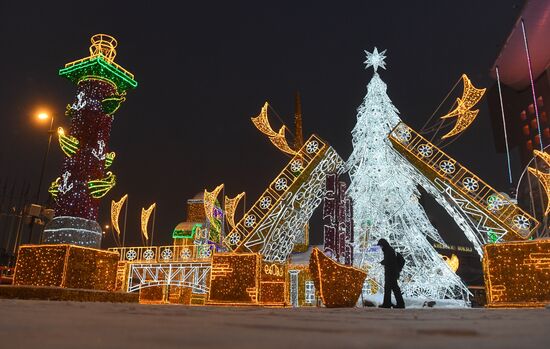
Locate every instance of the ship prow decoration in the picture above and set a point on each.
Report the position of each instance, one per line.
(339, 285)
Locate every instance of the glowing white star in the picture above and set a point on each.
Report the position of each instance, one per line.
(375, 59)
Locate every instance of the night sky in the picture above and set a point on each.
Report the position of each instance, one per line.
(205, 68)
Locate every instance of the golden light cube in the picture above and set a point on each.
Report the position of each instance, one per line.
(517, 274)
(66, 266)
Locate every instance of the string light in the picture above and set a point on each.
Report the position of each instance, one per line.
(338, 285)
(116, 208)
(465, 116)
(517, 274)
(109, 158)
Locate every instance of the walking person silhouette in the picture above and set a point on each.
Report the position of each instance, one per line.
(393, 264)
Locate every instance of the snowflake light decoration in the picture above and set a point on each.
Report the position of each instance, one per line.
(375, 59)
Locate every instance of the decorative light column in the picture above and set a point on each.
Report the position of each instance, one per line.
(85, 179)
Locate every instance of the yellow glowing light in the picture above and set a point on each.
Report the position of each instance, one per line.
(100, 187)
(145, 215)
(116, 207)
(67, 266)
(543, 177)
(278, 139)
(43, 116)
(517, 274)
(465, 116)
(54, 187)
(210, 199)
(230, 208)
(452, 262)
(68, 144)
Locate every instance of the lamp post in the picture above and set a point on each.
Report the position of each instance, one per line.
(45, 116)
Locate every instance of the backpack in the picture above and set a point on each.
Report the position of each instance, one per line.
(400, 261)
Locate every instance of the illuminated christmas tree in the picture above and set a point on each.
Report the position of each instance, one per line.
(85, 179)
(385, 202)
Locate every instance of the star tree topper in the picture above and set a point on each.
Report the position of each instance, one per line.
(375, 59)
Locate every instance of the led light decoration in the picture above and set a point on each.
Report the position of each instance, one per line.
(463, 111)
(101, 87)
(213, 213)
(230, 208)
(116, 208)
(338, 219)
(99, 187)
(385, 199)
(338, 285)
(452, 261)
(66, 266)
(278, 139)
(278, 222)
(54, 187)
(517, 274)
(109, 158)
(488, 213)
(68, 144)
(145, 215)
(543, 177)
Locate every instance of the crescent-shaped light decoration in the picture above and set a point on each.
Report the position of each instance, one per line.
(453, 262)
(116, 208)
(544, 178)
(230, 208)
(145, 215)
(280, 142)
(262, 122)
(278, 139)
(465, 116)
(209, 203)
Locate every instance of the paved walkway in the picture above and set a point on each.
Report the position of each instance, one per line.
(42, 324)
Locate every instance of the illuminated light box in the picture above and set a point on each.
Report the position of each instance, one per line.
(234, 279)
(517, 274)
(66, 266)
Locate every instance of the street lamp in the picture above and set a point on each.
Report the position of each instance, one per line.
(45, 116)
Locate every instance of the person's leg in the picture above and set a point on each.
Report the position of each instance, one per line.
(398, 296)
(387, 293)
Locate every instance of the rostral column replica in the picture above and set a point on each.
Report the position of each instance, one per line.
(85, 178)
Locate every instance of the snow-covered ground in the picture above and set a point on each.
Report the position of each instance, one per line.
(43, 324)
